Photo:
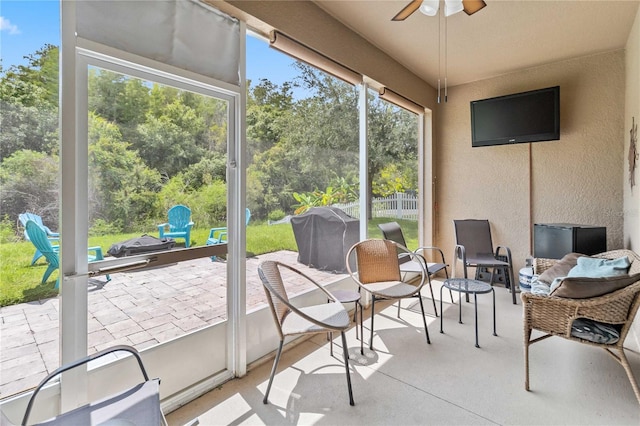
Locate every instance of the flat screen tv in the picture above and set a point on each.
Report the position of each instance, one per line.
(532, 116)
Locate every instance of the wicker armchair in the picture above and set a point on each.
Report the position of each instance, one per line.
(555, 315)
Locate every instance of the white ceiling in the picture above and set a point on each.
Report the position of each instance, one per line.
(505, 36)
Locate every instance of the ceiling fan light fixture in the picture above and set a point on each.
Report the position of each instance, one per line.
(430, 7)
(452, 7)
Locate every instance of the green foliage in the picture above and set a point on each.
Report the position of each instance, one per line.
(34, 84)
(32, 128)
(210, 168)
(344, 193)
(394, 179)
(29, 104)
(8, 231)
(276, 215)
(306, 201)
(29, 182)
(124, 191)
(101, 228)
(208, 203)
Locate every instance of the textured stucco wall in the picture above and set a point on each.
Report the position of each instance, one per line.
(577, 179)
(632, 109)
(632, 196)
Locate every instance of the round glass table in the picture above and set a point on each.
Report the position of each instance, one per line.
(468, 286)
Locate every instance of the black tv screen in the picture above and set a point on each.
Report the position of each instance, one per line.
(520, 117)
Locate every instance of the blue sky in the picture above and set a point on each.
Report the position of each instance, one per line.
(27, 25)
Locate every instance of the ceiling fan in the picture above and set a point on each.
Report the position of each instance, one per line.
(430, 7)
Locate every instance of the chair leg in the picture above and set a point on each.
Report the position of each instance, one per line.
(424, 319)
(446, 274)
(513, 284)
(273, 371)
(433, 299)
(527, 338)
(373, 314)
(345, 352)
(330, 343)
(37, 255)
(361, 330)
(627, 368)
(48, 273)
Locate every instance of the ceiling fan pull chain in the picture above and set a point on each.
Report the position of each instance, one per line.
(446, 58)
(439, 51)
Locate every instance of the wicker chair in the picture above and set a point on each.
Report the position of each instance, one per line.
(379, 274)
(555, 315)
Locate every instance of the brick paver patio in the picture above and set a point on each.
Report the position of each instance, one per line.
(138, 308)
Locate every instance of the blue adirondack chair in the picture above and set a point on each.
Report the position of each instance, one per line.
(219, 235)
(38, 236)
(179, 224)
(51, 236)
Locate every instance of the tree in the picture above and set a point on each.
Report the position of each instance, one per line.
(33, 128)
(392, 149)
(169, 143)
(29, 104)
(34, 84)
(123, 191)
(29, 182)
(120, 99)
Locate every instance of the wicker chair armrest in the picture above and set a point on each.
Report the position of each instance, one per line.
(541, 264)
(552, 315)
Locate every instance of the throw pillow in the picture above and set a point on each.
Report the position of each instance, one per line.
(560, 269)
(597, 267)
(592, 267)
(586, 287)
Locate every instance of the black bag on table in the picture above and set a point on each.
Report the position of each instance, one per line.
(140, 245)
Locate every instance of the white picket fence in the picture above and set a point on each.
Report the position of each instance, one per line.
(399, 206)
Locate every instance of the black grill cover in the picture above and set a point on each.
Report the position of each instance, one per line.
(324, 235)
(140, 245)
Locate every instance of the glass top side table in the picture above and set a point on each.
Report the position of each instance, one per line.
(468, 286)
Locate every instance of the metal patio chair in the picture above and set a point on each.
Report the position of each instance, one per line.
(295, 321)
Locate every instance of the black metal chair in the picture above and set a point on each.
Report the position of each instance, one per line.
(392, 231)
(474, 248)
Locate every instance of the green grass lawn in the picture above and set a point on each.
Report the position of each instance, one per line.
(20, 282)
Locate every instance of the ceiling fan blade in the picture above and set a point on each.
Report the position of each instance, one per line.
(407, 10)
(472, 6)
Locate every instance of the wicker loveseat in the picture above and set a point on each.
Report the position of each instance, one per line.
(555, 315)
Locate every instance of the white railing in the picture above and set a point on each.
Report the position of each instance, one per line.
(399, 206)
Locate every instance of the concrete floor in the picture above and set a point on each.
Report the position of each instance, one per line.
(406, 381)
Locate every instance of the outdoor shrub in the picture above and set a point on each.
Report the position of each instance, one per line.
(101, 227)
(276, 215)
(8, 233)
